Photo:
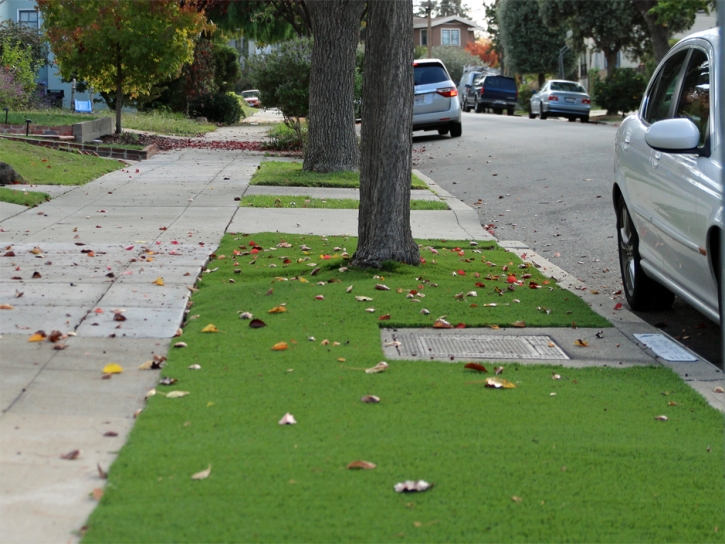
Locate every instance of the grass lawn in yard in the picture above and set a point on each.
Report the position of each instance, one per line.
(50, 117)
(290, 174)
(271, 201)
(588, 464)
(24, 198)
(43, 166)
(173, 124)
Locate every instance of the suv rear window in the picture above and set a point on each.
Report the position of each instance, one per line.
(429, 73)
(498, 82)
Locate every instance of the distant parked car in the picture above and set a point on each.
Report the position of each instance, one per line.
(667, 183)
(436, 105)
(467, 79)
(252, 98)
(559, 98)
(497, 93)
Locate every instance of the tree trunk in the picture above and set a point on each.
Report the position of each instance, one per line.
(611, 57)
(387, 141)
(119, 93)
(332, 142)
(658, 33)
(542, 79)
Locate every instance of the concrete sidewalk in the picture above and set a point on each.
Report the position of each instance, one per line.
(101, 247)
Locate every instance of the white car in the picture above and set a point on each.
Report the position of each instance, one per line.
(435, 105)
(667, 184)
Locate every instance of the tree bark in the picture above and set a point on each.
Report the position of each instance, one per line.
(119, 93)
(387, 142)
(611, 57)
(332, 142)
(658, 33)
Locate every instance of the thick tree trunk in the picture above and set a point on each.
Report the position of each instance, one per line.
(541, 79)
(332, 143)
(611, 57)
(658, 33)
(119, 94)
(387, 141)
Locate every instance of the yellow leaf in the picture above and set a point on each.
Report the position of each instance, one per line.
(202, 475)
(303, 280)
(280, 346)
(210, 328)
(278, 310)
(112, 368)
(37, 337)
(159, 281)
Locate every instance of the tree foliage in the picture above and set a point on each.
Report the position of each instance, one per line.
(17, 76)
(620, 93)
(663, 18)
(484, 50)
(12, 33)
(442, 8)
(529, 45)
(455, 59)
(120, 46)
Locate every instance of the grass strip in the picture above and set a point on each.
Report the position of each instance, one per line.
(272, 201)
(24, 198)
(173, 124)
(290, 174)
(47, 118)
(44, 166)
(590, 464)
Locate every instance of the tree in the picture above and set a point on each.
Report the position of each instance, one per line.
(484, 50)
(494, 31)
(120, 46)
(386, 166)
(613, 25)
(442, 8)
(667, 17)
(529, 45)
(332, 142)
(12, 33)
(455, 59)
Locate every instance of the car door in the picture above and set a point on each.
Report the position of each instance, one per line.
(536, 100)
(680, 190)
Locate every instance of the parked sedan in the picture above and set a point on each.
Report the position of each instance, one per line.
(436, 105)
(667, 184)
(559, 98)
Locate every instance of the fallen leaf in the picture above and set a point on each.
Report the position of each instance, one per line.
(475, 366)
(385, 317)
(37, 337)
(278, 310)
(618, 306)
(319, 297)
(210, 328)
(412, 486)
(516, 499)
(661, 418)
(119, 317)
(110, 433)
(6, 306)
(167, 381)
(365, 465)
(257, 324)
(180, 345)
(194, 367)
(203, 475)
(112, 368)
(97, 493)
(581, 343)
(672, 403)
(288, 419)
(380, 367)
(159, 281)
(363, 299)
(520, 324)
(498, 370)
(280, 346)
(499, 383)
(71, 455)
(442, 324)
(370, 399)
(102, 473)
(146, 366)
(556, 377)
(719, 390)
(176, 394)
(246, 315)
(58, 346)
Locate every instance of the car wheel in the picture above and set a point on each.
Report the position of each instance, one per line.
(456, 130)
(585, 118)
(542, 113)
(510, 111)
(466, 107)
(571, 119)
(532, 115)
(442, 131)
(642, 292)
(479, 107)
(498, 111)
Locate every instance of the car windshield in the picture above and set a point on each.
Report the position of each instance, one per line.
(568, 86)
(430, 73)
(250, 94)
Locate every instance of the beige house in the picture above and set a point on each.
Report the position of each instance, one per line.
(454, 31)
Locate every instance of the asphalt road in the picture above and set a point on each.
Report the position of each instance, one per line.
(548, 183)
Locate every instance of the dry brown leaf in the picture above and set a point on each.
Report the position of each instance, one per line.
(719, 390)
(203, 475)
(55, 336)
(520, 324)
(71, 455)
(477, 367)
(498, 370)
(60, 346)
(442, 324)
(6, 306)
(97, 493)
(102, 473)
(280, 346)
(370, 399)
(278, 310)
(146, 366)
(581, 343)
(257, 324)
(365, 465)
(382, 366)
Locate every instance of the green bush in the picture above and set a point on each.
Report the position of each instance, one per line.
(221, 108)
(283, 138)
(620, 93)
(455, 59)
(525, 94)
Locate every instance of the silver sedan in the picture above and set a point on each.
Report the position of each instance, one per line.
(667, 184)
(560, 98)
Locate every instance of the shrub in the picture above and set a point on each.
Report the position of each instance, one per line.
(620, 93)
(455, 59)
(12, 95)
(221, 108)
(525, 94)
(283, 138)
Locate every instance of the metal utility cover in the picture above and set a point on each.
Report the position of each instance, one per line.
(489, 346)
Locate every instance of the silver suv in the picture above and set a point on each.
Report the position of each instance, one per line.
(436, 105)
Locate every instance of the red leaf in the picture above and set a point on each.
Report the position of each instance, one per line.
(257, 324)
(479, 284)
(618, 306)
(461, 272)
(384, 317)
(477, 367)
(461, 326)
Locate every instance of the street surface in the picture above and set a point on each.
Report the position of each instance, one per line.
(548, 184)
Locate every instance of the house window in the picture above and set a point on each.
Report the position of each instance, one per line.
(450, 37)
(424, 37)
(28, 18)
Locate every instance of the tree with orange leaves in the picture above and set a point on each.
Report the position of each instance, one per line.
(483, 49)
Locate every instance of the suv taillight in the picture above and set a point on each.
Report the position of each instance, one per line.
(553, 98)
(481, 90)
(448, 92)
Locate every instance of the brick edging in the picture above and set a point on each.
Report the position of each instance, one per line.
(97, 151)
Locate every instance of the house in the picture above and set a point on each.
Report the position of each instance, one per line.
(453, 31)
(24, 12)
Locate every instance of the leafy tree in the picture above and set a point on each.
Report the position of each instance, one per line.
(613, 25)
(529, 45)
(386, 162)
(494, 31)
(621, 92)
(17, 76)
(484, 50)
(455, 59)
(663, 18)
(442, 8)
(13, 33)
(120, 46)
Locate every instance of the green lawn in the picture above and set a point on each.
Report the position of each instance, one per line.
(290, 174)
(24, 198)
(271, 201)
(173, 124)
(51, 117)
(588, 464)
(43, 166)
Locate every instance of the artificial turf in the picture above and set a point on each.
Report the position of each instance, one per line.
(589, 464)
(290, 174)
(272, 201)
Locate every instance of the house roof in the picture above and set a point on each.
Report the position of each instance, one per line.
(422, 22)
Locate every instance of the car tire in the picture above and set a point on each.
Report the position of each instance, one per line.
(479, 107)
(571, 119)
(510, 111)
(585, 118)
(456, 130)
(532, 115)
(543, 115)
(642, 292)
(442, 131)
(498, 111)
(466, 107)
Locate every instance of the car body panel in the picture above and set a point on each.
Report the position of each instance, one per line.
(466, 83)
(490, 91)
(432, 110)
(675, 198)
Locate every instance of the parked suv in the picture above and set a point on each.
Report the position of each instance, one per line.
(497, 93)
(436, 105)
(467, 79)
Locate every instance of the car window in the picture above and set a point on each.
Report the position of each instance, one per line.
(506, 83)
(695, 98)
(659, 102)
(492, 82)
(427, 74)
(568, 86)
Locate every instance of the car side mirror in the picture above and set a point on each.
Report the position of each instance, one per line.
(673, 136)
